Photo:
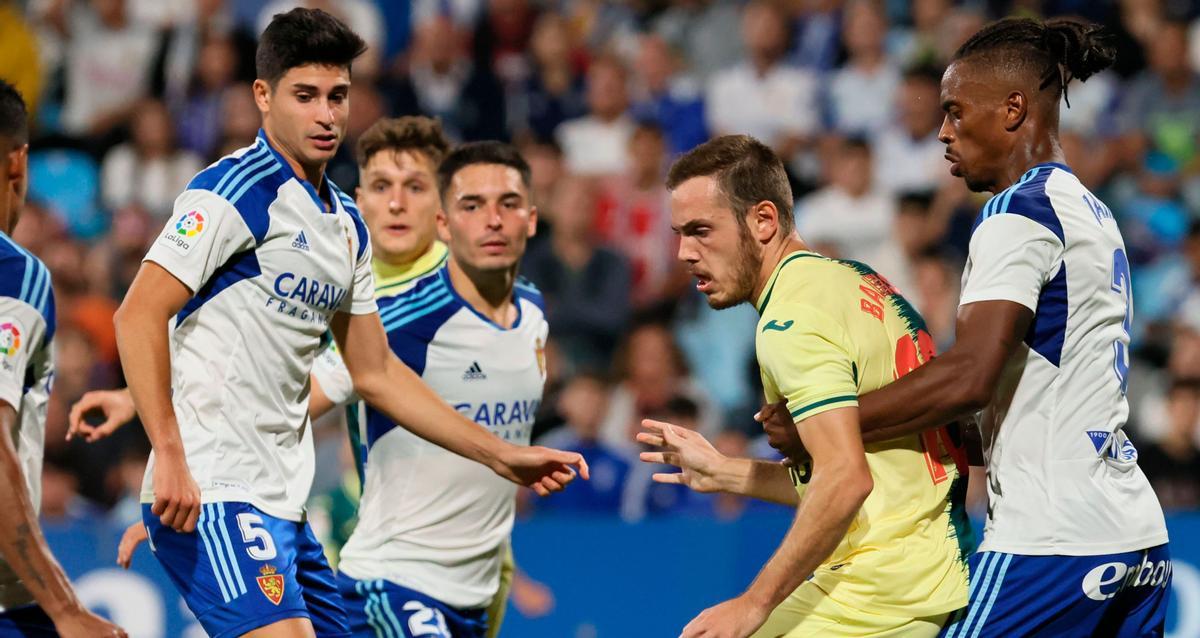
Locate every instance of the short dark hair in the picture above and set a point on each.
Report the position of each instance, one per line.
(746, 170)
(409, 133)
(1056, 51)
(490, 152)
(14, 118)
(304, 36)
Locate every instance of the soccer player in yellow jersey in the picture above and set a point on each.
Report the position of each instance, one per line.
(880, 538)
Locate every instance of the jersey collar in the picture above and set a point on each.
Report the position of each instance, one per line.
(325, 194)
(388, 276)
(765, 297)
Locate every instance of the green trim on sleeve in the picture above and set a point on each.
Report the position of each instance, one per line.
(801, 411)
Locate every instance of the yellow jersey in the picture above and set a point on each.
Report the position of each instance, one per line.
(829, 331)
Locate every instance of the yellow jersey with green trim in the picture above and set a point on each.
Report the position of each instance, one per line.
(393, 280)
(829, 331)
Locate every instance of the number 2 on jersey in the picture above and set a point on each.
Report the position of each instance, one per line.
(1121, 285)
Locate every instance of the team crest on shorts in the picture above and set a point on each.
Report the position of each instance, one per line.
(271, 584)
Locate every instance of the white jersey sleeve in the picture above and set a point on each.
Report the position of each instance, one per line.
(22, 330)
(1011, 259)
(205, 230)
(361, 300)
(334, 378)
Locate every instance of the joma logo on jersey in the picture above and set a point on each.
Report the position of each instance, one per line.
(312, 292)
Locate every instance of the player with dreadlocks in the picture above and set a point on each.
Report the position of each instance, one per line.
(1075, 543)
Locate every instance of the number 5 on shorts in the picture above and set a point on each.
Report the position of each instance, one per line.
(254, 533)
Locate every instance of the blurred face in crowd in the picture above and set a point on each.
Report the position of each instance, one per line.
(764, 30)
(398, 197)
(1167, 51)
(852, 170)
(652, 369)
(583, 404)
(240, 118)
(110, 12)
(487, 217)
(917, 106)
(574, 206)
(216, 63)
(305, 112)
(646, 152)
(606, 90)
(152, 129)
(974, 127)
(654, 63)
(437, 44)
(550, 42)
(865, 28)
(715, 242)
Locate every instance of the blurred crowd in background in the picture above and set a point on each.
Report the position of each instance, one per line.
(131, 97)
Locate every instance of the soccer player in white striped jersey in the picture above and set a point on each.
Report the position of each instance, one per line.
(1075, 543)
(36, 599)
(263, 255)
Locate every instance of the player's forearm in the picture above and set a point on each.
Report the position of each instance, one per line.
(928, 397)
(21, 541)
(142, 340)
(764, 480)
(824, 515)
(401, 395)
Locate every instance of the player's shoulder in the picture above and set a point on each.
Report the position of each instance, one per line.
(351, 210)
(421, 309)
(246, 180)
(525, 290)
(1032, 197)
(807, 275)
(23, 276)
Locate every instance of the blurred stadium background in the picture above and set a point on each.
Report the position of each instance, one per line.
(131, 97)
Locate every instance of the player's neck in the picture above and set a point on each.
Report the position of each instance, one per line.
(774, 254)
(1037, 149)
(312, 174)
(488, 292)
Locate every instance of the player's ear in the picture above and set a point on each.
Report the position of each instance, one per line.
(443, 225)
(1016, 109)
(764, 221)
(533, 218)
(262, 95)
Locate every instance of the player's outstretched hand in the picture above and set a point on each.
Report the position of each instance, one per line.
(116, 406)
(133, 536)
(81, 623)
(737, 618)
(176, 495)
(543, 469)
(781, 431)
(687, 450)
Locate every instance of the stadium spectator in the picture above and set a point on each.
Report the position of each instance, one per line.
(651, 372)
(583, 404)
(763, 96)
(149, 170)
(668, 95)
(706, 31)
(633, 218)
(851, 214)
(586, 286)
(108, 62)
(198, 109)
(861, 93)
(1162, 105)
(1172, 463)
(443, 82)
(908, 154)
(553, 92)
(598, 143)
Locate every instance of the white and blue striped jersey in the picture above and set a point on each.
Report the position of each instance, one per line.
(431, 520)
(26, 371)
(268, 266)
(1062, 474)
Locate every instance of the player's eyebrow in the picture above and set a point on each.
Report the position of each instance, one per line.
(690, 227)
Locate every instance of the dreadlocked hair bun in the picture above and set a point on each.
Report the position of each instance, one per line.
(1082, 48)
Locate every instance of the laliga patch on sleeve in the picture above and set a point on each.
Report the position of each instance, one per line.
(12, 336)
(185, 231)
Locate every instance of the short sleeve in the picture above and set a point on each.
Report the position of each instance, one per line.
(22, 332)
(204, 232)
(330, 371)
(1011, 258)
(361, 301)
(803, 354)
